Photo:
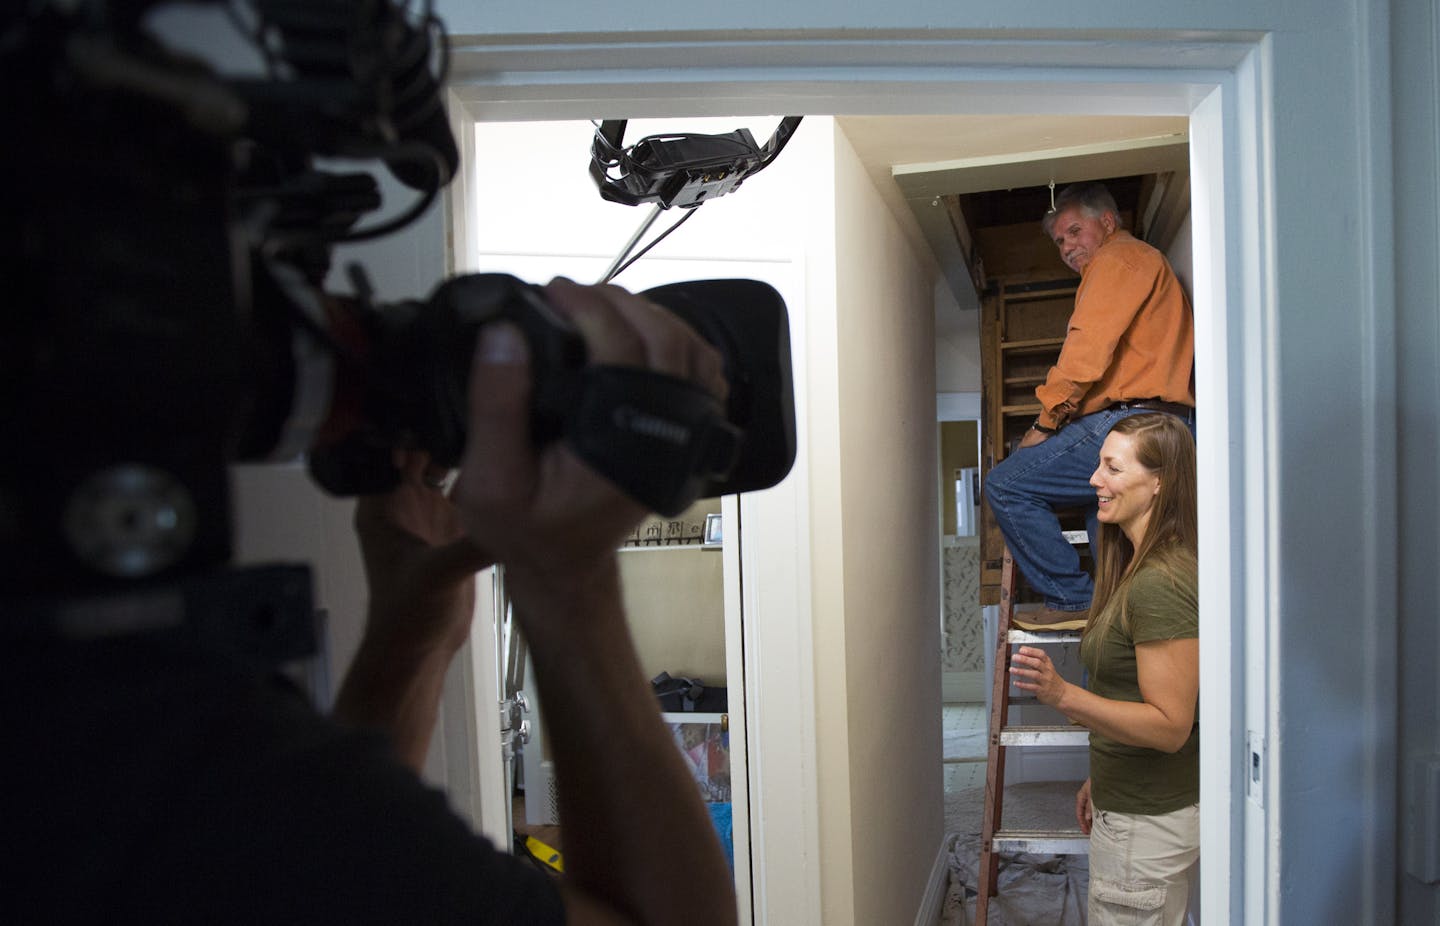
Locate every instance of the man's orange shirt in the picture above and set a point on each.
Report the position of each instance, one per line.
(1131, 336)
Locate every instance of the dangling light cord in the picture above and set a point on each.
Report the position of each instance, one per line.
(1052, 194)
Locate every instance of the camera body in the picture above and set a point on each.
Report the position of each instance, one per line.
(167, 235)
(663, 440)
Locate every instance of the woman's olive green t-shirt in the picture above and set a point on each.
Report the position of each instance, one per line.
(1135, 779)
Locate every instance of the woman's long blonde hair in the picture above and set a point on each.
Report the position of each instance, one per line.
(1165, 447)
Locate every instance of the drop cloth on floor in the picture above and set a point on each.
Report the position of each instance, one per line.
(1034, 890)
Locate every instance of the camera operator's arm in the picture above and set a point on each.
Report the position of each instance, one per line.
(639, 846)
(420, 569)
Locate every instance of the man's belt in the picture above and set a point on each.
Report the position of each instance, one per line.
(1155, 405)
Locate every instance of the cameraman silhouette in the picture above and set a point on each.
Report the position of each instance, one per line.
(149, 781)
(167, 235)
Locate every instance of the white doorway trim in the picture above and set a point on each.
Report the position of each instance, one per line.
(1220, 84)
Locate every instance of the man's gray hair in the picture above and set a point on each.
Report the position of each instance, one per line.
(1091, 196)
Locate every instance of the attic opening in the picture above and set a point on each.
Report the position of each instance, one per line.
(1026, 295)
(979, 210)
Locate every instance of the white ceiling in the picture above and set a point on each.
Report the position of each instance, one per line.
(1004, 151)
(905, 140)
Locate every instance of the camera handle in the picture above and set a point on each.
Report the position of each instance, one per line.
(660, 438)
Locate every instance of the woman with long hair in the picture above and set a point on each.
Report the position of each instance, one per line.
(1141, 649)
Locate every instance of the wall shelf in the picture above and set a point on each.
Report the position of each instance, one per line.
(1031, 345)
(669, 547)
(1023, 328)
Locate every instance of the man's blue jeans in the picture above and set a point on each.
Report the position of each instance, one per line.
(1026, 488)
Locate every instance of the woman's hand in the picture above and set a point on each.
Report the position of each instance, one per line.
(1084, 809)
(1032, 670)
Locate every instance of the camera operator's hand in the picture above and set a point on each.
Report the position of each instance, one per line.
(420, 569)
(639, 845)
(544, 513)
(417, 556)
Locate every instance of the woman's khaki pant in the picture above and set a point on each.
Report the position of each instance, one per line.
(1143, 868)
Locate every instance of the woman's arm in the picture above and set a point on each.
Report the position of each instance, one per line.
(1169, 676)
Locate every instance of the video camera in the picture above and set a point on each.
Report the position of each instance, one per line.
(167, 237)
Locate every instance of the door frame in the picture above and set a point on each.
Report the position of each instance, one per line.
(956, 406)
(1222, 87)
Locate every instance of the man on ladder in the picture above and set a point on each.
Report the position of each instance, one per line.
(1129, 348)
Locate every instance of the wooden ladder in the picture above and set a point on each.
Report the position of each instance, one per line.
(994, 839)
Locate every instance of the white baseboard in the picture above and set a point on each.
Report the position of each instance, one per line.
(933, 903)
(960, 687)
(1047, 763)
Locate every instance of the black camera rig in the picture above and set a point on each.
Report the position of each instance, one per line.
(167, 237)
(683, 170)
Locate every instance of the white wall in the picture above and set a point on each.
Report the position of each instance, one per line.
(1181, 256)
(876, 567)
(541, 215)
(957, 353)
(516, 17)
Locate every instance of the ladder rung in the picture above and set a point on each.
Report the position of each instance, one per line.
(1045, 735)
(1043, 636)
(993, 839)
(1042, 842)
